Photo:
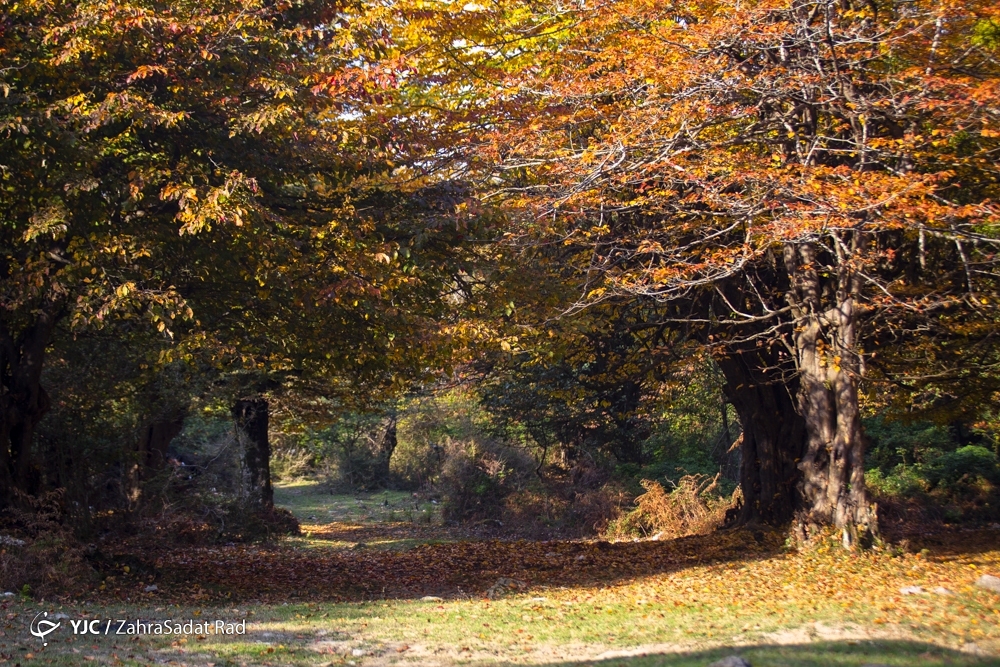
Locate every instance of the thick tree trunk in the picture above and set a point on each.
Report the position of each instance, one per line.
(251, 418)
(832, 484)
(773, 437)
(23, 401)
(155, 439)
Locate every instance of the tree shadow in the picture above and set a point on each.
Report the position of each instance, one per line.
(870, 653)
(283, 571)
(942, 541)
(450, 569)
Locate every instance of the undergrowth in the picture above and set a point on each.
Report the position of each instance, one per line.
(692, 507)
(39, 555)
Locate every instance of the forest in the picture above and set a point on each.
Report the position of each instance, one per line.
(652, 332)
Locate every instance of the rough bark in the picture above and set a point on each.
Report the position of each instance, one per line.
(156, 437)
(251, 419)
(773, 437)
(832, 485)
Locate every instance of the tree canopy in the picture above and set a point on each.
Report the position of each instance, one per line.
(354, 198)
(216, 171)
(807, 182)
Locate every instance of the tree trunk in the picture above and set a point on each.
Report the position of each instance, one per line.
(151, 448)
(570, 439)
(383, 449)
(832, 484)
(23, 401)
(773, 437)
(156, 437)
(251, 418)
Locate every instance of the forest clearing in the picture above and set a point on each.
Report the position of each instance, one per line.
(407, 595)
(556, 332)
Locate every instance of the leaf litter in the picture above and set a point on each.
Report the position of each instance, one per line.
(541, 601)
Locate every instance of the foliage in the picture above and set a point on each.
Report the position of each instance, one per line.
(450, 448)
(965, 466)
(89, 442)
(691, 507)
(895, 442)
(927, 464)
(204, 183)
(346, 452)
(589, 388)
(478, 476)
(806, 186)
(429, 428)
(697, 144)
(696, 427)
(290, 464)
(592, 213)
(39, 555)
(198, 496)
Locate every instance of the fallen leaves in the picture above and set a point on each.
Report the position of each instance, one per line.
(688, 590)
(283, 572)
(729, 571)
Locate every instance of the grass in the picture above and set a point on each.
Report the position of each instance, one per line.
(307, 500)
(519, 630)
(394, 520)
(617, 605)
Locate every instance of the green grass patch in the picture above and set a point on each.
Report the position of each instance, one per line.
(568, 628)
(311, 504)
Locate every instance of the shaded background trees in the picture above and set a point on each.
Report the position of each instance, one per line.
(192, 192)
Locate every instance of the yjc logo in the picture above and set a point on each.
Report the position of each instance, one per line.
(94, 627)
(41, 628)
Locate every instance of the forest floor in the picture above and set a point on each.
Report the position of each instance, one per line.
(377, 580)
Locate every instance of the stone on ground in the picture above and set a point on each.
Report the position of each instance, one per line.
(731, 661)
(989, 582)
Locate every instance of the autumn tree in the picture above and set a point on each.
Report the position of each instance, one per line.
(802, 181)
(215, 172)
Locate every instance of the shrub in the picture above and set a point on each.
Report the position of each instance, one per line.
(692, 507)
(426, 427)
(538, 512)
(200, 499)
(477, 477)
(895, 443)
(963, 468)
(962, 485)
(902, 481)
(291, 463)
(354, 453)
